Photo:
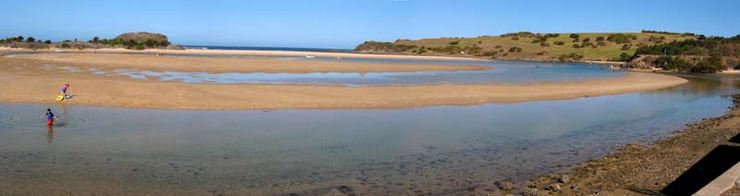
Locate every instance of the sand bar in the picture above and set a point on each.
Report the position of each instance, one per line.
(223, 65)
(25, 82)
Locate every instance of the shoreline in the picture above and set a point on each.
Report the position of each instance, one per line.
(283, 53)
(288, 53)
(638, 169)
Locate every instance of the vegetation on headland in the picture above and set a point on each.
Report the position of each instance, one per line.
(680, 52)
(532, 46)
(137, 41)
(701, 55)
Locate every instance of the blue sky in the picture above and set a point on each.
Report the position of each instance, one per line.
(346, 23)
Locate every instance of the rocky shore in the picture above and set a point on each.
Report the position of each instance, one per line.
(638, 169)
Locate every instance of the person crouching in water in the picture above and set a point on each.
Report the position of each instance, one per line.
(64, 91)
(49, 117)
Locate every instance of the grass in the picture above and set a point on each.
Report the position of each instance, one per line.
(610, 50)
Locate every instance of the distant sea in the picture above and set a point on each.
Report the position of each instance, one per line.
(267, 48)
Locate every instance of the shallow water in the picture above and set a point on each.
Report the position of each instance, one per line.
(401, 151)
(503, 72)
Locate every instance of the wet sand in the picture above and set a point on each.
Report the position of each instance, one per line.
(25, 81)
(637, 169)
(224, 65)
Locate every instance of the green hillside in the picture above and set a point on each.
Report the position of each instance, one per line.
(532, 46)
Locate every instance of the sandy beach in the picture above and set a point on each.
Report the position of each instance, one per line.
(25, 81)
(223, 65)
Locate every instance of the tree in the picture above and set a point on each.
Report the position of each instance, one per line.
(31, 39)
(47, 41)
(625, 57)
(95, 39)
(19, 39)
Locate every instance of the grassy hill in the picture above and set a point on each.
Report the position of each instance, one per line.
(531, 46)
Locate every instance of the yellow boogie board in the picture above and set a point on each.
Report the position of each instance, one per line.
(60, 97)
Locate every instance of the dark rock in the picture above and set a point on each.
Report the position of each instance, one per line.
(342, 191)
(554, 187)
(564, 178)
(504, 185)
(530, 192)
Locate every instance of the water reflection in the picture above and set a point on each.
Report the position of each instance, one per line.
(50, 134)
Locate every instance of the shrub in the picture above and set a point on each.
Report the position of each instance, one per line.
(30, 39)
(576, 46)
(624, 57)
(571, 56)
(559, 43)
(515, 49)
(620, 38)
(586, 39)
(454, 42)
(626, 46)
(574, 35)
(517, 34)
(47, 41)
(600, 38)
(545, 44)
(539, 40)
(490, 53)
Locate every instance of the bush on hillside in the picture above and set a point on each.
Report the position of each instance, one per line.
(559, 43)
(570, 57)
(626, 46)
(621, 38)
(515, 49)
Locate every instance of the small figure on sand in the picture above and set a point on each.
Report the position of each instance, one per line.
(49, 117)
(64, 91)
